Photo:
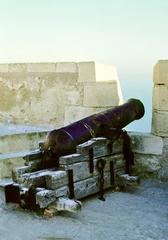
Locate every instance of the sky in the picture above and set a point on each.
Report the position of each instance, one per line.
(129, 34)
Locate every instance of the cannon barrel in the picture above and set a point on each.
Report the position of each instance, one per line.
(64, 140)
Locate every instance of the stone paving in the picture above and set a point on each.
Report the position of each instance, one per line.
(141, 214)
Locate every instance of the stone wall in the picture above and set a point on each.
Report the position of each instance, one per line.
(160, 112)
(56, 93)
(160, 99)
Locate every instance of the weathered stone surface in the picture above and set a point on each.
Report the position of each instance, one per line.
(61, 192)
(84, 147)
(8, 162)
(75, 113)
(56, 179)
(81, 169)
(35, 178)
(99, 146)
(66, 67)
(3, 67)
(90, 186)
(45, 197)
(124, 180)
(82, 189)
(146, 164)
(118, 162)
(160, 97)
(17, 67)
(163, 172)
(160, 123)
(146, 143)
(20, 141)
(86, 72)
(29, 167)
(41, 67)
(160, 72)
(73, 158)
(96, 72)
(18, 172)
(65, 204)
(34, 92)
(101, 94)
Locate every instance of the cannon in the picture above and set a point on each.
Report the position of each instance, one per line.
(57, 172)
(108, 124)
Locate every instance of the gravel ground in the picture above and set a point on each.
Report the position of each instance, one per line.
(141, 214)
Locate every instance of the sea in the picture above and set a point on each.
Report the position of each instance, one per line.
(138, 86)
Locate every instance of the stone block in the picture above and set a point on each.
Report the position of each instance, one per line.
(41, 67)
(81, 169)
(85, 147)
(17, 67)
(45, 197)
(3, 68)
(163, 172)
(56, 179)
(96, 72)
(160, 72)
(99, 146)
(125, 180)
(18, 172)
(65, 204)
(146, 143)
(75, 113)
(72, 158)
(160, 123)
(86, 72)
(101, 94)
(90, 186)
(38, 178)
(160, 97)
(147, 164)
(66, 67)
(74, 96)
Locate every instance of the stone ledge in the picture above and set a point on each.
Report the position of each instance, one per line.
(66, 67)
(146, 143)
(96, 72)
(17, 67)
(41, 67)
